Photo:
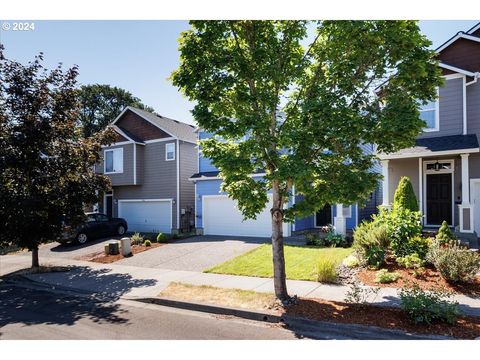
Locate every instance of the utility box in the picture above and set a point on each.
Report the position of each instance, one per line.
(114, 248)
(126, 246)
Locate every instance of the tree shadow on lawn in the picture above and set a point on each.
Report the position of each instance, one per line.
(97, 291)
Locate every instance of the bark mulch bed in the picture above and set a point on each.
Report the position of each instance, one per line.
(466, 327)
(101, 258)
(431, 279)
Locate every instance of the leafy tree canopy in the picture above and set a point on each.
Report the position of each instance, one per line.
(46, 167)
(101, 104)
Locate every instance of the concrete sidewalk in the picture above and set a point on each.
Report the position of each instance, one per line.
(122, 281)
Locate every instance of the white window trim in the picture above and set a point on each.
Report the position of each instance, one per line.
(437, 114)
(166, 151)
(442, 171)
(105, 161)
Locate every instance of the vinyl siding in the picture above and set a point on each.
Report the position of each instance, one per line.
(473, 108)
(451, 110)
(125, 178)
(159, 179)
(204, 164)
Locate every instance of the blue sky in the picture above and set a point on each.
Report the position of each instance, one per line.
(136, 55)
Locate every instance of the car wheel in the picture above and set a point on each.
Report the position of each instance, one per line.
(121, 230)
(82, 238)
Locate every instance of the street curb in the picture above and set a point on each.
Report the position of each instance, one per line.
(246, 314)
(314, 328)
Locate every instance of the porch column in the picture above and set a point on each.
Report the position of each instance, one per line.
(420, 187)
(465, 180)
(465, 209)
(340, 221)
(385, 184)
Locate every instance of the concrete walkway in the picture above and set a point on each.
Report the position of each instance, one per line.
(118, 281)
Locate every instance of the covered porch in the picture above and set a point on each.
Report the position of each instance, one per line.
(445, 174)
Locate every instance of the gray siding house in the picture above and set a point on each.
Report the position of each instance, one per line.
(149, 166)
(444, 166)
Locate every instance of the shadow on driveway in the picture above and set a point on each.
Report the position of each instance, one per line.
(73, 246)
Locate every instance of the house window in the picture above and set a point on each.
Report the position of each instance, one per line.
(347, 211)
(429, 114)
(170, 151)
(113, 161)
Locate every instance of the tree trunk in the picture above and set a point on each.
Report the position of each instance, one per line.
(279, 277)
(35, 263)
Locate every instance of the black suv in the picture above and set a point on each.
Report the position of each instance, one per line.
(96, 226)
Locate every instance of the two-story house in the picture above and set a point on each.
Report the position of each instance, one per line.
(444, 165)
(149, 166)
(216, 214)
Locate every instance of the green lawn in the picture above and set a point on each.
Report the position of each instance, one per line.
(301, 262)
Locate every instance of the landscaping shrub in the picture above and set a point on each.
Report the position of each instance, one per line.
(326, 270)
(424, 307)
(351, 261)
(445, 235)
(359, 295)
(161, 238)
(412, 261)
(147, 243)
(335, 240)
(454, 262)
(405, 196)
(384, 277)
(314, 239)
(375, 256)
(370, 241)
(136, 239)
(404, 225)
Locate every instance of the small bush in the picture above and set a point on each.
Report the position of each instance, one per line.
(403, 225)
(359, 295)
(425, 307)
(385, 277)
(405, 196)
(161, 238)
(136, 239)
(375, 256)
(412, 261)
(351, 261)
(147, 243)
(454, 262)
(370, 242)
(326, 270)
(445, 235)
(314, 240)
(335, 240)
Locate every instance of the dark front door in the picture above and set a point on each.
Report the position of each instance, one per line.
(109, 206)
(323, 217)
(439, 198)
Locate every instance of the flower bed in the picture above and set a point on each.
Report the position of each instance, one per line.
(102, 258)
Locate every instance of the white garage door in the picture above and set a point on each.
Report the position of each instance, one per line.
(221, 217)
(146, 216)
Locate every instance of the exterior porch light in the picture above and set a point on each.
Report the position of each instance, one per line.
(437, 166)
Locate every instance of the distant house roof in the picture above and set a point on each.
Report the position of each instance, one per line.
(442, 145)
(174, 128)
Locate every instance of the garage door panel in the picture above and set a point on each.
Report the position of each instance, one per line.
(222, 217)
(147, 216)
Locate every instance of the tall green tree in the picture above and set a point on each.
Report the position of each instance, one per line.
(46, 168)
(101, 104)
(301, 113)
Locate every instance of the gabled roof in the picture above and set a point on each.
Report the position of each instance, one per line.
(458, 70)
(174, 128)
(459, 35)
(473, 28)
(442, 145)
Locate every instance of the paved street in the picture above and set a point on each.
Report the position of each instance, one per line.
(36, 314)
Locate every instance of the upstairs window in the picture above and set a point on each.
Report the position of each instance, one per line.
(113, 161)
(170, 151)
(429, 114)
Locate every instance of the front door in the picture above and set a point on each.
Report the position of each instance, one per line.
(323, 217)
(439, 198)
(109, 205)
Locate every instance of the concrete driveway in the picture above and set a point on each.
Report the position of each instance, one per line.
(194, 254)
